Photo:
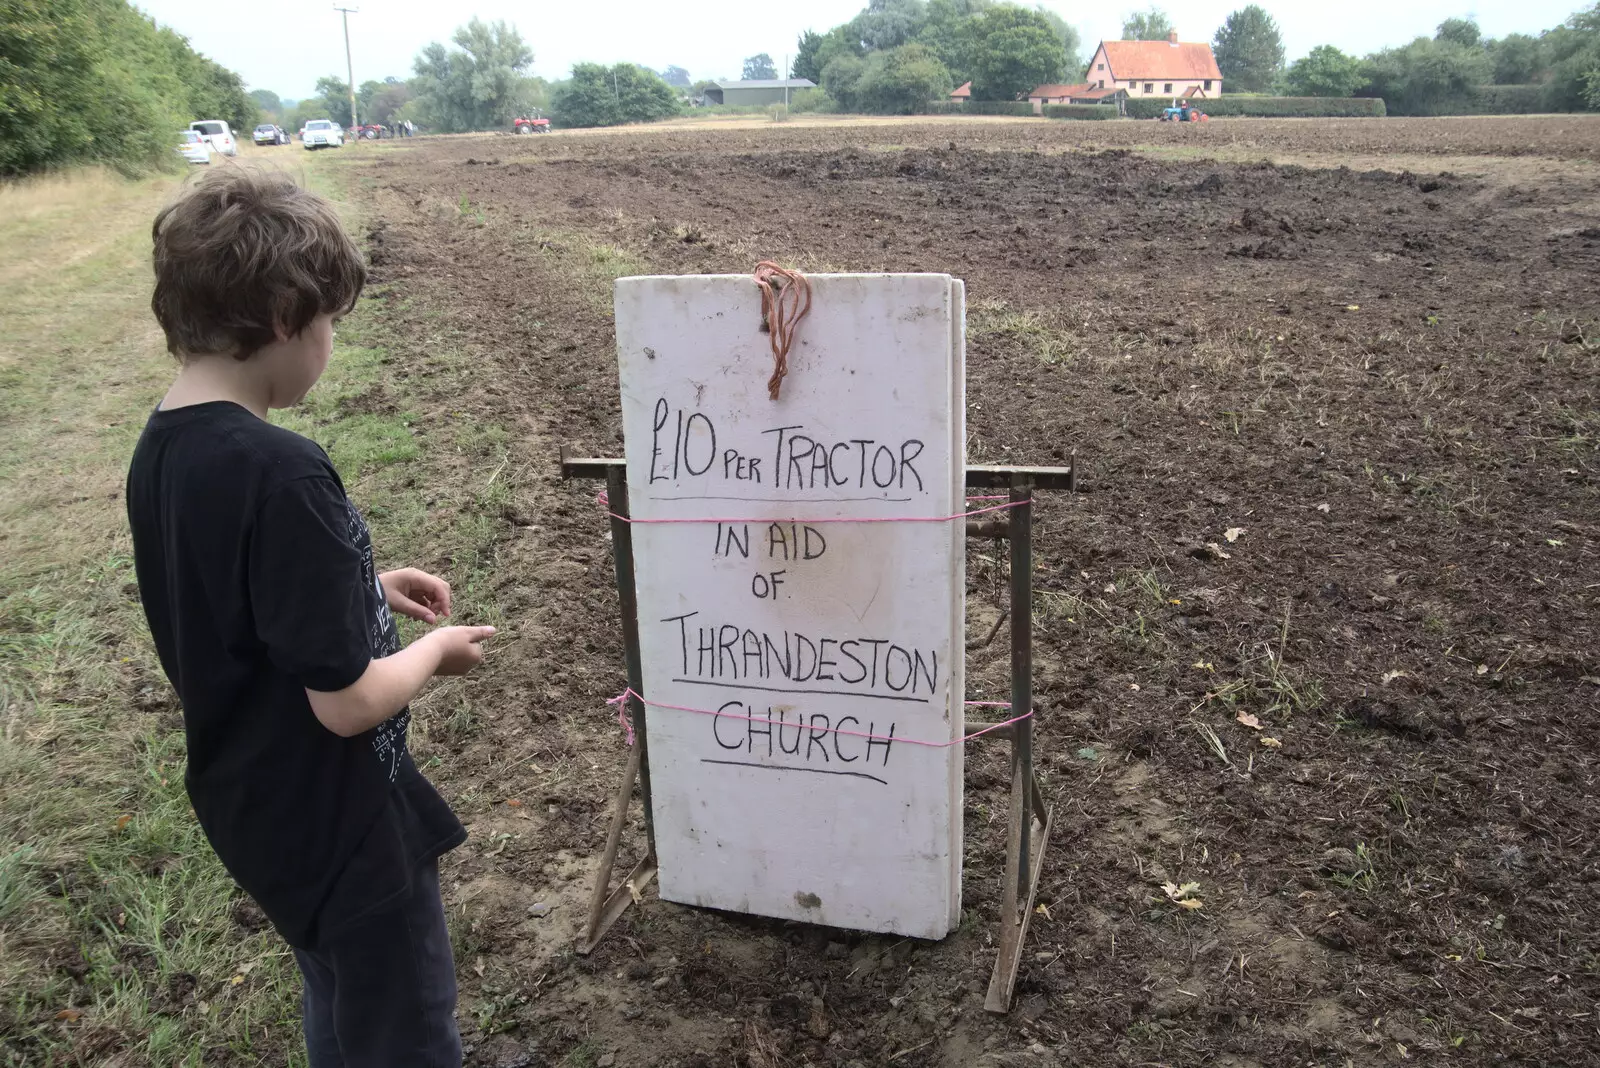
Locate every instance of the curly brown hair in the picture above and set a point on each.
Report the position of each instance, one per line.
(244, 253)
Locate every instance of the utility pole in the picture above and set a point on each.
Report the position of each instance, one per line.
(786, 83)
(349, 67)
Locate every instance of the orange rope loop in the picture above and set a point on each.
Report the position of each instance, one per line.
(785, 300)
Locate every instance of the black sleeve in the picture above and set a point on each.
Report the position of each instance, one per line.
(307, 588)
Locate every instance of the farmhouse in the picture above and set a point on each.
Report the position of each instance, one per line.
(1167, 68)
(765, 91)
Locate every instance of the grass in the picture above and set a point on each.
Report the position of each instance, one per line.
(120, 932)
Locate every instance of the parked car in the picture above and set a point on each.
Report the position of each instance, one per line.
(322, 133)
(193, 147)
(218, 134)
(268, 134)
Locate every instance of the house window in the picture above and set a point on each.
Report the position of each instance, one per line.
(1208, 84)
(1149, 87)
(1101, 84)
(1168, 89)
(1099, 66)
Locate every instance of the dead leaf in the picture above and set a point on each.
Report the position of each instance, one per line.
(1249, 720)
(477, 966)
(1043, 910)
(1396, 673)
(1232, 533)
(1483, 669)
(1183, 896)
(513, 802)
(69, 1015)
(123, 820)
(236, 980)
(1204, 665)
(1322, 507)
(1271, 743)
(1217, 551)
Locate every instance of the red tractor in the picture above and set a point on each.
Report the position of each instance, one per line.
(539, 125)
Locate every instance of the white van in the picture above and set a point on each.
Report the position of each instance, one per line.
(217, 133)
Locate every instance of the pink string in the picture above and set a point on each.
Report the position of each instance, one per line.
(605, 503)
(621, 702)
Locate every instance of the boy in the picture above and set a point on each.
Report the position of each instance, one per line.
(257, 579)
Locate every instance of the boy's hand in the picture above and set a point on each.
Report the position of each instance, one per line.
(460, 648)
(416, 594)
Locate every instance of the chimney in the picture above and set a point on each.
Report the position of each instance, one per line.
(1172, 38)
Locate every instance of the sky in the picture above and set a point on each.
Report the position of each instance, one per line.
(288, 47)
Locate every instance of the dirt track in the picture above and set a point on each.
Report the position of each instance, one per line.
(1386, 381)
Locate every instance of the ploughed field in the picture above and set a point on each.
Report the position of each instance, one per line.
(1318, 633)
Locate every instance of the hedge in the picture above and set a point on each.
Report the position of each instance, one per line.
(997, 107)
(1503, 100)
(1268, 107)
(944, 107)
(1079, 111)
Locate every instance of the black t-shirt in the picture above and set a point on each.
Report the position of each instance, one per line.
(257, 578)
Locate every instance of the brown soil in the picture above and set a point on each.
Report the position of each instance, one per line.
(1386, 379)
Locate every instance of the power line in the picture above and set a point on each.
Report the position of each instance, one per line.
(349, 67)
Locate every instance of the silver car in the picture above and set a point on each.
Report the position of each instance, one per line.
(193, 147)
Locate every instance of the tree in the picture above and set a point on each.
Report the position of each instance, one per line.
(1325, 71)
(381, 101)
(1152, 25)
(948, 31)
(805, 58)
(1518, 59)
(1071, 43)
(333, 99)
(886, 24)
(1463, 32)
(1573, 52)
(1425, 77)
(676, 77)
(759, 68)
(839, 41)
(1013, 51)
(609, 96)
(267, 100)
(1249, 50)
(901, 81)
(840, 79)
(97, 81)
(479, 84)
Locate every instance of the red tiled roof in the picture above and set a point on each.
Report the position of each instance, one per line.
(1084, 91)
(1060, 90)
(964, 92)
(1159, 59)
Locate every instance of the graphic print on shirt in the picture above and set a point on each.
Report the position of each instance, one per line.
(389, 737)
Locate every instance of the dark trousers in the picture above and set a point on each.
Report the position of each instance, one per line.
(382, 993)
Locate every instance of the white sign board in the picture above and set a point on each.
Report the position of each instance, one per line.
(793, 662)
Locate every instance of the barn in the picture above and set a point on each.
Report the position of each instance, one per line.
(764, 91)
(1169, 68)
